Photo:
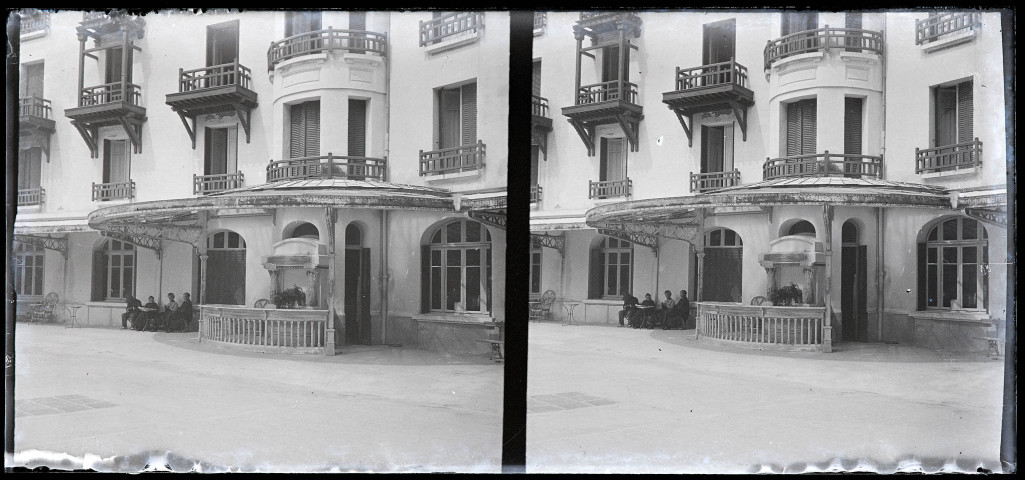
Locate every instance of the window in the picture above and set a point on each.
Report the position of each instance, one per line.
(116, 161)
(535, 78)
(802, 227)
(611, 272)
(28, 262)
(800, 128)
(457, 124)
(716, 148)
(226, 269)
(116, 66)
(220, 151)
(304, 129)
(113, 271)
(953, 266)
(852, 121)
(794, 22)
(301, 22)
(535, 272)
(357, 134)
(719, 42)
(31, 84)
(304, 230)
(613, 160)
(953, 114)
(457, 269)
(29, 168)
(722, 273)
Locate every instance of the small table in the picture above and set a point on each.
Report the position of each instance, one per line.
(72, 320)
(569, 306)
(646, 312)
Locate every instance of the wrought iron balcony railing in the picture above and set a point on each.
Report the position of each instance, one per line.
(213, 77)
(34, 21)
(540, 20)
(330, 39)
(110, 93)
(438, 29)
(607, 92)
(31, 196)
(936, 26)
(327, 166)
(703, 182)
(535, 193)
(823, 165)
(723, 73)
(539, 106)
(34, 107)
(464, 158)
(610, 188)
(949, 157)
(204, 184)
(113, 191)
(822, 39)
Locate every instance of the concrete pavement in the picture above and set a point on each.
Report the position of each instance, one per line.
(607, 399)
(119, 400)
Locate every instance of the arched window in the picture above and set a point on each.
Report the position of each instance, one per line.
(114, 269)
(611, 268)
(723, 269)
(305, 230)
(28, 269)
(353, 236)
(226, 269)
(953, 266)
(457, 268)
(802, 227)
(849, 233)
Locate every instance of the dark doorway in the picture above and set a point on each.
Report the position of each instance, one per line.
(357, 288)
(853, 287)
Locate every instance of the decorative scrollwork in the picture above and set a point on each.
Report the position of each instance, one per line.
(59, 244)
(557, 242)
(494, 218)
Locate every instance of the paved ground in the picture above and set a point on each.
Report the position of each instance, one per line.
(117, 400)
(607, 399)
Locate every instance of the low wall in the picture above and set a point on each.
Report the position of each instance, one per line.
(764, 327)
(956, 332)
(265, 330)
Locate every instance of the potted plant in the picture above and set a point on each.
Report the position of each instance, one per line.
(787, 295)
(290, 298)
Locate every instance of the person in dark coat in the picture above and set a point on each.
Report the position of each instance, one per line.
(684, 306)
(145, 317)
(645, 317)
(676, 317)
(629, 308)
(131, 312)
(181, 319)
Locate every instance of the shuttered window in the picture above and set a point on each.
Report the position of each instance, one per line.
(357, 128)
(304, 130)
(535, 272)
(535, 84)
(613, 159)
(953, 114)
(113, 271)
(716, 148)
(29, 168)
(116, 164)
(301, 22)
(964, 112)
(27, 264)
(801, 127)
(457, 125)
(220, 151)
(469, 120)
(852, 125)
(610, 64)
(114, 66)
(32, 81)
(358, 23)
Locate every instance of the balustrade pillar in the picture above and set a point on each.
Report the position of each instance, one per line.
(770, 284)
(809, 276)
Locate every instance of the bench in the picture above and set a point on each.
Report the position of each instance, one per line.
(496, 348)
(995, 345)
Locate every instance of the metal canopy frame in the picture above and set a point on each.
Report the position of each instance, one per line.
(558, 242)
(59, 244)
(494, 218)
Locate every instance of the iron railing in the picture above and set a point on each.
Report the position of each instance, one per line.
(934, 27)
(327, 166)
(540, 20)
(702, 182)
(34, 107)
(823, 165)
(113, 191)
(535, 193)
(610, 188)
(203, 184)
(34, 21)
(949, 157)
(213, 77)
(31, 196)
(539, 105)
(607, 92)
(464, 158)
(330, 39)
(110, 93)
(822, 39)
(437, 29)
(729, 72)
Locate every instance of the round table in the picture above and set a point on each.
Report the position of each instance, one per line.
(72, 320)
(569, 306)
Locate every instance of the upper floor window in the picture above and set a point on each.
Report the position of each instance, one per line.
(457, 120)
(222, 43)
(28, 262)
(716, 148)
(719, 42)
(535, 272)
(611, 269)
(304, 129)
(794, 22)
(31, 84)
(953, 266)
(114, 267)
(953, 114)
(302, 22)
(29, 168)
(800, 127)
(852, 125)
(220, 154)
(117, 163)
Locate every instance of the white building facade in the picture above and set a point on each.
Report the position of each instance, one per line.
(177, 152)
(859, 156)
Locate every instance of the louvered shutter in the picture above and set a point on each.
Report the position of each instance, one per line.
(922, 295)
(106, 161)
(297, 131)
(357, 128)
(603, 163)
(808, 127)
(596, 274)
(793, 128)
(312, 129)
(425, 278)
(358, 23)
(449, 125)
(99, 284)
(852, 126)
(469, 121)
(536, 79)
(965, 129)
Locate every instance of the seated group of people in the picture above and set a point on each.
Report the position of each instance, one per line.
(149, 317)
(673, 314)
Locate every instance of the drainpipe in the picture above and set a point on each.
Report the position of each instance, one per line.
(385, 278)
(881, 216)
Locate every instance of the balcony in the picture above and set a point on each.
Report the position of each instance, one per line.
(703, 182)
(710, 88)
(949, 158)
(602, 22)
(604, 103)
(323, 41)
(535, 193)
(35, 123)
(451, 30)
(609, 189)
(452, 162)
(113, 191)
(540, 123)
(34, 24)
(99, 23)
(327, 167)
(822, 40)
(204, 184)
(540, 22)
(214, 89)
(947, 29)
(823, 165)
(31, 196)
(109, 104)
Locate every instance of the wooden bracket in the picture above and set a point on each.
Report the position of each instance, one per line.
(133, 128)
(586, 134)
(90, 136)
(741, 113)
(686, 127)
(243, 119)
(191, 129)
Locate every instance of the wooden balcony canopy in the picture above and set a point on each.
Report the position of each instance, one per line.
(710, 88)
(540, 124)
(35, 123)
(214, 89)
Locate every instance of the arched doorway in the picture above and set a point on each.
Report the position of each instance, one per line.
(226, 269)
(357, 287)
(723, 267)
(853, 284)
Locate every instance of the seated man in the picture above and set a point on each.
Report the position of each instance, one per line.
(677, 316)
(181, 319)
(170, 310)
(646, 315)
(629, 307)
(131, 312)
(146, 316)
(667, 306)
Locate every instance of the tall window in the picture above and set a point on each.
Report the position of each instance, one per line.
(357, 135)
(457, 124)
(31, 84)
(953, 266)
(852, 125)
(301, 22)
(304, 129)
(723, 269)
(953, 114)
(457, 268)
(28, 262)
(719, 41)
(801, 127)
(611, 268)
(226, 269)
(116, 161)
(716, 148)
(29, 168)
(220, 151)
(113, 271)
(613, 159)
(794, 22)
(535, 272)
